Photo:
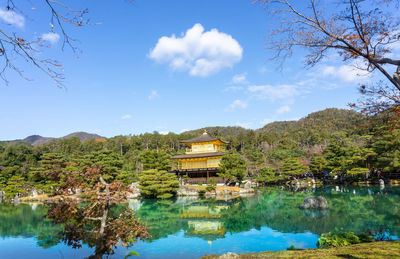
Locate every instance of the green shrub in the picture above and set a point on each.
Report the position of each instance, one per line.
(365, 238)
(337, 238)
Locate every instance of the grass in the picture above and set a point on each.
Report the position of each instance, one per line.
(383, 249)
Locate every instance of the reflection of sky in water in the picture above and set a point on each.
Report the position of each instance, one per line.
(19, 247)
(174, 246)
(245, 242)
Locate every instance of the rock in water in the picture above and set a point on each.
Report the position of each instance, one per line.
(247, 185)
(314, 202)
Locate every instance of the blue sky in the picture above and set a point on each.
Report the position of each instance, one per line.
(167, 66)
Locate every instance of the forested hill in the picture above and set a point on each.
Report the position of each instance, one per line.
(320, 124)
(218, 131)
(316, 126)
(308, 130)
(37, 140)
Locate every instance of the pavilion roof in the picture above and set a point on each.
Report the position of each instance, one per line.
(205, 137)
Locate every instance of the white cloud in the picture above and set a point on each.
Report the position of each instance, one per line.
(265, 121)
(153, 95)
(164, 132)
(239, 78)
(126, 117)
(245, 125)
(183, 130)
(346, 73)
(51, 37)
(237, 104)
(200, 52)
(274, 92)
(283, 109)
(12, 18)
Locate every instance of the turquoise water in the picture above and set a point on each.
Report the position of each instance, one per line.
(192, 227)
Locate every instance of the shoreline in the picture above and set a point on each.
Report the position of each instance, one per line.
(378, 249)
(220, 192)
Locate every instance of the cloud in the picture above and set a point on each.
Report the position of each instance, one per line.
(183, 130)
(200, 52)
(126, 117)
(346, 73)
(51, 37)
(12, 18)
(153, 95)
(283, 109)
(245, 125)
(240, 79)
(164, 132)
(274, 92)
(237, 104)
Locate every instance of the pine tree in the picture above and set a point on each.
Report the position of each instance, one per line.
(232, 168)
(292, 166)
(318, 164)
(158, 184)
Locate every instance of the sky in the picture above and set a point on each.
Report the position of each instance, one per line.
(165, 66)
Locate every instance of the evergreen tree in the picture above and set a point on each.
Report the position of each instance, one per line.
(158, 184)
(267, 175)
(292, 166)
(232, 168)
(152, 159)
(318, 163)
(386, 144)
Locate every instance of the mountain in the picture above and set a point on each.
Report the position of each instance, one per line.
(82, 136)
(37, 140)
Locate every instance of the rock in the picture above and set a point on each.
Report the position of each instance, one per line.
(249, 190)
(314, 202)
(133, 195)
(134, 186)
(34, 193)
(229, 255)
(247, 185)
(184, 191)
(78, 191)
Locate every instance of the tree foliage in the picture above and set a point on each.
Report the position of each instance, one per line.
(158, 184)
(232, 168)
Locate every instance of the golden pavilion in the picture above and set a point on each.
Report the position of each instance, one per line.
(201, 160)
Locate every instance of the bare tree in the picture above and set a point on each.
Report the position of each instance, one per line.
(14, 47)
(364, 30)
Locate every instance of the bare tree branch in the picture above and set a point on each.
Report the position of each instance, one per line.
(356, 29)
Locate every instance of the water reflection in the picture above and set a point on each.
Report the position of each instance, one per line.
(191, 227)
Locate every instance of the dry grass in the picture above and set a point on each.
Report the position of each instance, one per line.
(378, 250)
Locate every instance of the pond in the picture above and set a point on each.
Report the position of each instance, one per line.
(192, 227)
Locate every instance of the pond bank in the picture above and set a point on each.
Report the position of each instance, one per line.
(382, 249)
